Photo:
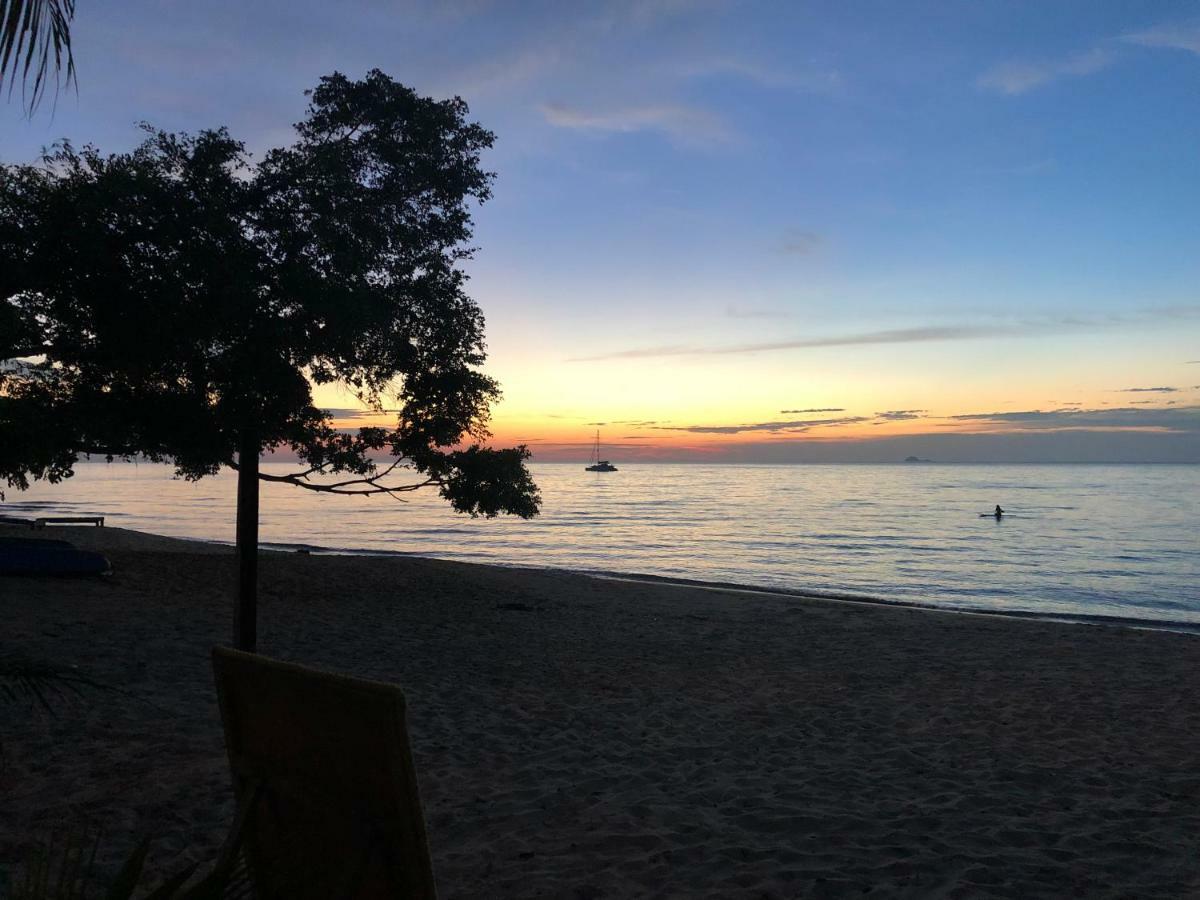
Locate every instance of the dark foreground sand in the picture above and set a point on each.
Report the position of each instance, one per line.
(577, 737)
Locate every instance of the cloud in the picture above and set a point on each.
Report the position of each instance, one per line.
(1075, 446)
(1175, 37)
(682, 123)
(1178, 311)
(794, 426)
(901, 415)
(497, 76)
(647, 12)
(341, 413)
(800, 243)
(1018, 77)
(792, 412)
(1049, 325)
(1036, 167)
(737, 312)
(825, 81)
(1179, 419)
(891, 336)
(1149, 390)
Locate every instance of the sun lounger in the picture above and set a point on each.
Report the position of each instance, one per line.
(327, 802)
(43, 521)
(34, 556)
(35, 542)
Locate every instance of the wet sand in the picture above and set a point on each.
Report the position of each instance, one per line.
(582, 737)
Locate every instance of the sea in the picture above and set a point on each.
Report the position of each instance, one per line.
(1077, 541)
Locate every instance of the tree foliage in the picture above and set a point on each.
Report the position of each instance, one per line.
(170, 301)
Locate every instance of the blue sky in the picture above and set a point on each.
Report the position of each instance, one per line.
(710, 211)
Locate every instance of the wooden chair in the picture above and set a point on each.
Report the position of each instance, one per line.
(327, 801)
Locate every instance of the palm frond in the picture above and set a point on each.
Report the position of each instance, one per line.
(37, 683)
(34, 35)
(42, 684)
(62, 865)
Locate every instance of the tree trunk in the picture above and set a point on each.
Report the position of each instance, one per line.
(245, 628)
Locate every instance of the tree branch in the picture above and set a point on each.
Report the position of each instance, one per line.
(351, 487)
(109, 451)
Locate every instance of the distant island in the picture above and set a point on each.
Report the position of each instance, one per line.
(916, 459)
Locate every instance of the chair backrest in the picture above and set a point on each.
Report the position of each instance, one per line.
(325, 782)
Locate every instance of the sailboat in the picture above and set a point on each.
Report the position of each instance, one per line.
(598, 464)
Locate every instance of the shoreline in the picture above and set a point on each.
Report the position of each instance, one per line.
(1178, 626)
(591, 737)
(1073, 546)
(1181, 626)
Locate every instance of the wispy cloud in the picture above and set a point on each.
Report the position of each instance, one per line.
(358, 413)
(891, 336)
(683, 123)
(1176, 37)
(901, 415)
(1180, 419)
(740, 312)
(497, 76)
(1037, 327)
(1148, 390)
(800, 243)
(637, 423)
(1014, 78)
(794, 412)
(647, 12)
(1034, 167)
(793, 426)
(819, 81)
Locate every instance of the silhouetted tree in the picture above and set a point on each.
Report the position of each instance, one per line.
(178, 302)
(33, 35)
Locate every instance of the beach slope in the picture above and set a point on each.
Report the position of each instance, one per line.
(581, 737)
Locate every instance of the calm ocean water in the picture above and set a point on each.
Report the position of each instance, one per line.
(1078, 540)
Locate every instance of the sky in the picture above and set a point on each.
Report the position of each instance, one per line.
(760, 231)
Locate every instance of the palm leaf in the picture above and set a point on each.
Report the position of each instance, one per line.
(61, 866)
(170, 887)
(37, 683)
(24, 680)
(127, 879)
(33, 35)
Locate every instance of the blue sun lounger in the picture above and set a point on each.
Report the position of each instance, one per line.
(33, 556)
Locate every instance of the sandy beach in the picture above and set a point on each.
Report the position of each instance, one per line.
(582, 737)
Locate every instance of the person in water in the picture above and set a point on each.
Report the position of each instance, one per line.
(999, 511)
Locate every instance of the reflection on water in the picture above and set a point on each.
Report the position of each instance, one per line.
(1093, 540)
